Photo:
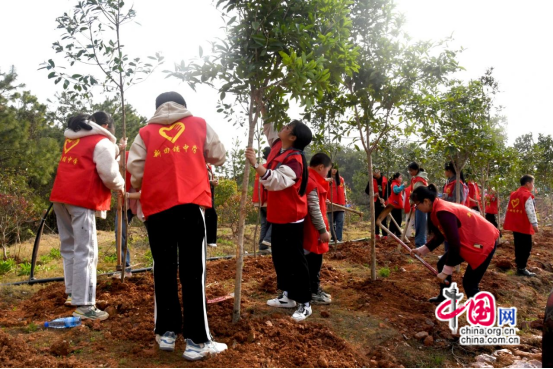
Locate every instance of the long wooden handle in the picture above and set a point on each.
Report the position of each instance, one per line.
(423, 262)
(333, 205)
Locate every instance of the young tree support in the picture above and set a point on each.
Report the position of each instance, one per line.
(87, 173)
(131, 204)
(210, 213)
(338, 187)
(418, 178)
(261, 203)
(521, 218)
(285, 180)
(471, 238)
(315, 233)
(380, 187)
(167, 162)
(397, 200)
(492, 207)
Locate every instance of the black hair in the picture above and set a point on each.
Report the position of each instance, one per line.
(79, 122)
(527, 178)
(396, 175)
(320, 158)
(449, 166)
(102, 118)
(303, 138)
(171, 96)
(337, 176)
(421, 193)
(266, 152)
(415, 166)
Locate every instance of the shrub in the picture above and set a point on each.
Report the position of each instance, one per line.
(384, 272)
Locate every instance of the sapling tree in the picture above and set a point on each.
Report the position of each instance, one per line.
(273, 51)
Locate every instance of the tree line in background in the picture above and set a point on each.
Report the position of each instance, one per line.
(373, 97)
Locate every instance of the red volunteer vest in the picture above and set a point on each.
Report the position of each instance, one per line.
(379, 191)
(286, 206)
(396, 200)
(311, 236)
(416, 180)
(474, 193)
(449, 189)
(255, 196)
(516, 219)
(407, 206)
(77, 181)
(491, 206)
(338, 193)
(477, 235)
(175, 170)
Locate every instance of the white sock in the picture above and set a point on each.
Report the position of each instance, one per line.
(285, 293)
(307, 304)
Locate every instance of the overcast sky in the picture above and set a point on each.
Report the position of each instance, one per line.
(513, 37)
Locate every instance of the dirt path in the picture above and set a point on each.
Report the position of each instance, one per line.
(369, 324)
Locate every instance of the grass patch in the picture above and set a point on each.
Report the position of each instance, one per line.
(32, 327)
(6, 266)
(24, 268)
(384, 272)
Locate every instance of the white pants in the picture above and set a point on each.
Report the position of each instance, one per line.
(79, 249)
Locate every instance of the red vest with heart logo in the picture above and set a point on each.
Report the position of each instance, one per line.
(380, 191)
(516, 219)
(338, 193)
(476, 235)
(311, 237)
(175, 171)
(285, 206)
(395, 199)
(407, 203)
(77, 181)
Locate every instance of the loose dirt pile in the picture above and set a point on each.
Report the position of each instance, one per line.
(382, 323)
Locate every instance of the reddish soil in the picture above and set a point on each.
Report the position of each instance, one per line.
(369, 323)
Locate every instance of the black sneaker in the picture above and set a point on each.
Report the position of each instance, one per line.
(525, 272)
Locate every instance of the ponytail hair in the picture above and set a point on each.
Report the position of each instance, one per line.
(303, 138)
(422, 193)
(396, 175)
(79, 122)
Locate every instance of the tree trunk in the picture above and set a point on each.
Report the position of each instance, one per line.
(372, 217)
(242, 219)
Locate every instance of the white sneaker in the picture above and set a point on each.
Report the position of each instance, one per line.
(302, 313)
(69, 300)
(212, 244)
(282, 301)
(267, 243)
(167, 341)
(195, 351)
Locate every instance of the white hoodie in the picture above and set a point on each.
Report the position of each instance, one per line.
(169, 113)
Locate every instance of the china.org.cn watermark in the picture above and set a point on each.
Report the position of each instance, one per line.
(482, 315)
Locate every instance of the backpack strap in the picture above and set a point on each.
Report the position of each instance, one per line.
(293, 153)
